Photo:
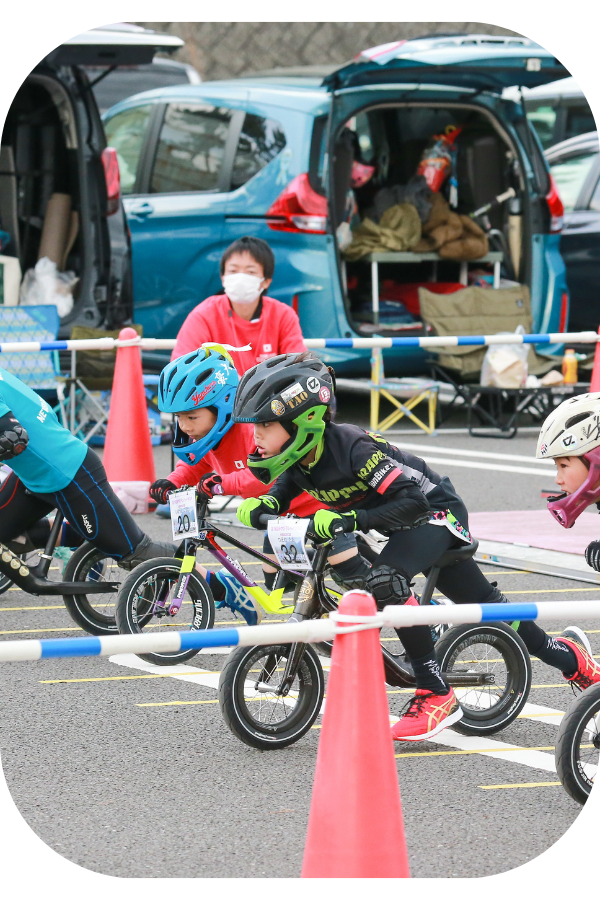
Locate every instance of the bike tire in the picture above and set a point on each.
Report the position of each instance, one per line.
(95, 613)
(136, 600)
(481, 715)
(243, 713)
(5, 583)
(570, 762)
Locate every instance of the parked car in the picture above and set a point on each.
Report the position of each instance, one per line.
(575, 167)
(129, 80)
(271, 156)
(58, 181)
(558, 111)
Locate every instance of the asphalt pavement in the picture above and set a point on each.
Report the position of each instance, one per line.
(129, 770)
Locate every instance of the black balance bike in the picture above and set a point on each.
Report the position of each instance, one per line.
(90, 581)
(577, 750)
(271, 695)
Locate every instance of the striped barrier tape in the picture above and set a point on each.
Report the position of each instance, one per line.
(469, 340)
(311, 631)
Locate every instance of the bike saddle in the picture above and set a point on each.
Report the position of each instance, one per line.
(457, 554)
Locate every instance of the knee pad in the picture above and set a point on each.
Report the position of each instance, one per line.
(146, 549)
(387, 586)
(351, 573)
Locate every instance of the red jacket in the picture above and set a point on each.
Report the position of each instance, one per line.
(276, 331)
(229, 460)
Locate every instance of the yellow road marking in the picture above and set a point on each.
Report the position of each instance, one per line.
(469, 752)
(546, 591)
(40, 630)
(182, 702)
(129, 677)
(527, 784)
(19, 608)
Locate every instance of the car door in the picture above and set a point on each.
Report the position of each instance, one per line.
(578, 181)
(176, 214)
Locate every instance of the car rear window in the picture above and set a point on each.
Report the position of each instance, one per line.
(570, 175)
(126, 132)
(191, 148)
(317, 166)
(260, 141)
(538, 164)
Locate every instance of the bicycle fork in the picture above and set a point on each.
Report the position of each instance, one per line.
(307, 607)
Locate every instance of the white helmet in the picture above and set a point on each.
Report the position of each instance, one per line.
(573, 429)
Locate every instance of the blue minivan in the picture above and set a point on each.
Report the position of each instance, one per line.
(272, 156)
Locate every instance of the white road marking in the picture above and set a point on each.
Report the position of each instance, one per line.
(482, 454)
(474, 464)
(533, 758)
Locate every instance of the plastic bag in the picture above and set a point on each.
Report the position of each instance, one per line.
(505, 365)
(133, 495)
(46, 286)
(437, 159)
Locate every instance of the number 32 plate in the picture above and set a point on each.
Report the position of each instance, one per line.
(288, 540)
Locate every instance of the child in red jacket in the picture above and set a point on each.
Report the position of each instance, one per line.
(212, 454)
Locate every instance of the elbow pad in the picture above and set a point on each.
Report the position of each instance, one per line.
(410, 511)
(13, 437)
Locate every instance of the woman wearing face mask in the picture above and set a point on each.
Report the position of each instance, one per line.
(243, 315)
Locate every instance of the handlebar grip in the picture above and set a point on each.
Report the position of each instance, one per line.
(266, 517)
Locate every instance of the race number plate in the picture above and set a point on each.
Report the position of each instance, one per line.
(288, 540)
(183, 514)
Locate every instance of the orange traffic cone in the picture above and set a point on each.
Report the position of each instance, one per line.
(355, 827)
(595, 382)
(128, 448)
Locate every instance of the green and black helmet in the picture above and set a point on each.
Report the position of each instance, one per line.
(294, 389)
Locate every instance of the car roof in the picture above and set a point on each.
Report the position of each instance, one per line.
(298, 94)
(581, 143)
(564, 87)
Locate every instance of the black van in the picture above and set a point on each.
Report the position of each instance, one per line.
(59, 183)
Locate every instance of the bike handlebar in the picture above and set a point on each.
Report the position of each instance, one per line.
(265, 518)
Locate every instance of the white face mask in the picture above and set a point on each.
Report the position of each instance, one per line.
(242, 288)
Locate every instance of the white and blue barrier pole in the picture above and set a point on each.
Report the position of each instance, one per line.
(311, 631)
(472, 340)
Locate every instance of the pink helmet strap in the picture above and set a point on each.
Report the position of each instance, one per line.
(567, 509)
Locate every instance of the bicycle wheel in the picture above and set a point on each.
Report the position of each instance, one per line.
(251, 709)
(578, 743)
(95, 613)
(487, 649)
(144, 600)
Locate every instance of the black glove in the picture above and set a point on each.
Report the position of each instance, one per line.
(592, 555)
(13, 437)
(160, 490)
(210, 485)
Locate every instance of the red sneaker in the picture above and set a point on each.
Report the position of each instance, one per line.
(588, 670)
(427, 715)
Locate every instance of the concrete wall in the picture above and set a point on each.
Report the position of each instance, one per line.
(226, 49)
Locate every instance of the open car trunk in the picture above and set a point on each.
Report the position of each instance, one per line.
(53, 199)
(392, 138)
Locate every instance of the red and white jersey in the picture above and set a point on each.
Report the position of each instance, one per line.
(277, 330)
(228, 459)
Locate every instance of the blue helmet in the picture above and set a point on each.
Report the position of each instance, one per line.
(206, 377)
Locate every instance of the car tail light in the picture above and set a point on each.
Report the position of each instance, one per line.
(556, 208)
(564, 311)
(113, 181)
(299, 208)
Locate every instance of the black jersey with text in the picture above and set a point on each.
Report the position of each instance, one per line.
(360, 471)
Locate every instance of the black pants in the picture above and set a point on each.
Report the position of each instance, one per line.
(417, 551)
(88, 502)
